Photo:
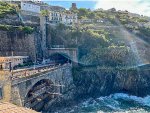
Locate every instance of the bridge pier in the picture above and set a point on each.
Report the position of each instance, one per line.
(5, 86)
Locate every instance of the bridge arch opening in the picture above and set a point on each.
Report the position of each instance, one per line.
(60, 58)
(42, 92)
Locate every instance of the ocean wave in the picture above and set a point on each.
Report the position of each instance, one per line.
(114, 103)
(118, 102)
(144, 101)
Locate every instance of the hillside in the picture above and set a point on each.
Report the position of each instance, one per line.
(112, 38)
(108, 38)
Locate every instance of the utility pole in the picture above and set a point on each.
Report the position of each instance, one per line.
(34, 52)
(12, 67)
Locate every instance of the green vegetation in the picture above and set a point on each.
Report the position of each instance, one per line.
(145, 31)
(44, 12)
(6, 8)
(25, 29)
(102, 46)
(97, 45)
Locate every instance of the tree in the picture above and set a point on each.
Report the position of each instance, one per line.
(44, 12)
(91, 15)
(83, 12)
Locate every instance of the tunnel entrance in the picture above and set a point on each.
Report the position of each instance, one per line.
(59, 58)
(41, 93)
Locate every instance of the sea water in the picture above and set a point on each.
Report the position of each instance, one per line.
(115, 103)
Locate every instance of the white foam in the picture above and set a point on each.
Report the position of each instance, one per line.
(144, 101)
(113, 103)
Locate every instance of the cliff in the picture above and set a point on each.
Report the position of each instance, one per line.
(20, 43)
(102, 81)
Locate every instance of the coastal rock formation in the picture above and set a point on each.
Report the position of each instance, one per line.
(103, 82)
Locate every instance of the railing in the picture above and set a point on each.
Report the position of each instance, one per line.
(26, 73)
(29, 72)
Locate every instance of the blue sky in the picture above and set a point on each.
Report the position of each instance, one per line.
(136, 6)
(80, 4)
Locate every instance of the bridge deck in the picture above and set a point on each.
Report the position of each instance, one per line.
(25, 73)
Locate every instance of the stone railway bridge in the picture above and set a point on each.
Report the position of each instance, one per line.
(33, 90)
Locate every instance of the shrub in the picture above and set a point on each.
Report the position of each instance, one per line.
(28, 29)
(6, 8)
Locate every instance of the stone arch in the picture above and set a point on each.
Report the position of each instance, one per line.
(33, 82)
(72, 53)
(39, 92)
(62, 57)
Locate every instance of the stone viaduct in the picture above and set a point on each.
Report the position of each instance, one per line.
(32, 91)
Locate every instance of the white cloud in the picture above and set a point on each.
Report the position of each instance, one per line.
(135, 6)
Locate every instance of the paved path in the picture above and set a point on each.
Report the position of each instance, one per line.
(10, 108)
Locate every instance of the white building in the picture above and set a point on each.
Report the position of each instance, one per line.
(69, 18)
(6, 62)
(55, 17)
(62, 17)
(29, 6)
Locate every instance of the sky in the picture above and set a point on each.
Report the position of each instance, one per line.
(141, 7)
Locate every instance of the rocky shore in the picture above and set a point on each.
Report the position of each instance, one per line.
(95, 82)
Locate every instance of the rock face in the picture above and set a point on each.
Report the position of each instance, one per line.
(92, 83)
(20, 43)
(95, 82)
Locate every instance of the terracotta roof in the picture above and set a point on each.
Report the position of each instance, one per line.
(10, 108)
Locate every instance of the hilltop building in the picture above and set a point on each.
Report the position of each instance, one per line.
(55, 17)
(70, 18)
(57, 14)
(30, 7)
(67, 18)
(74, 6)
